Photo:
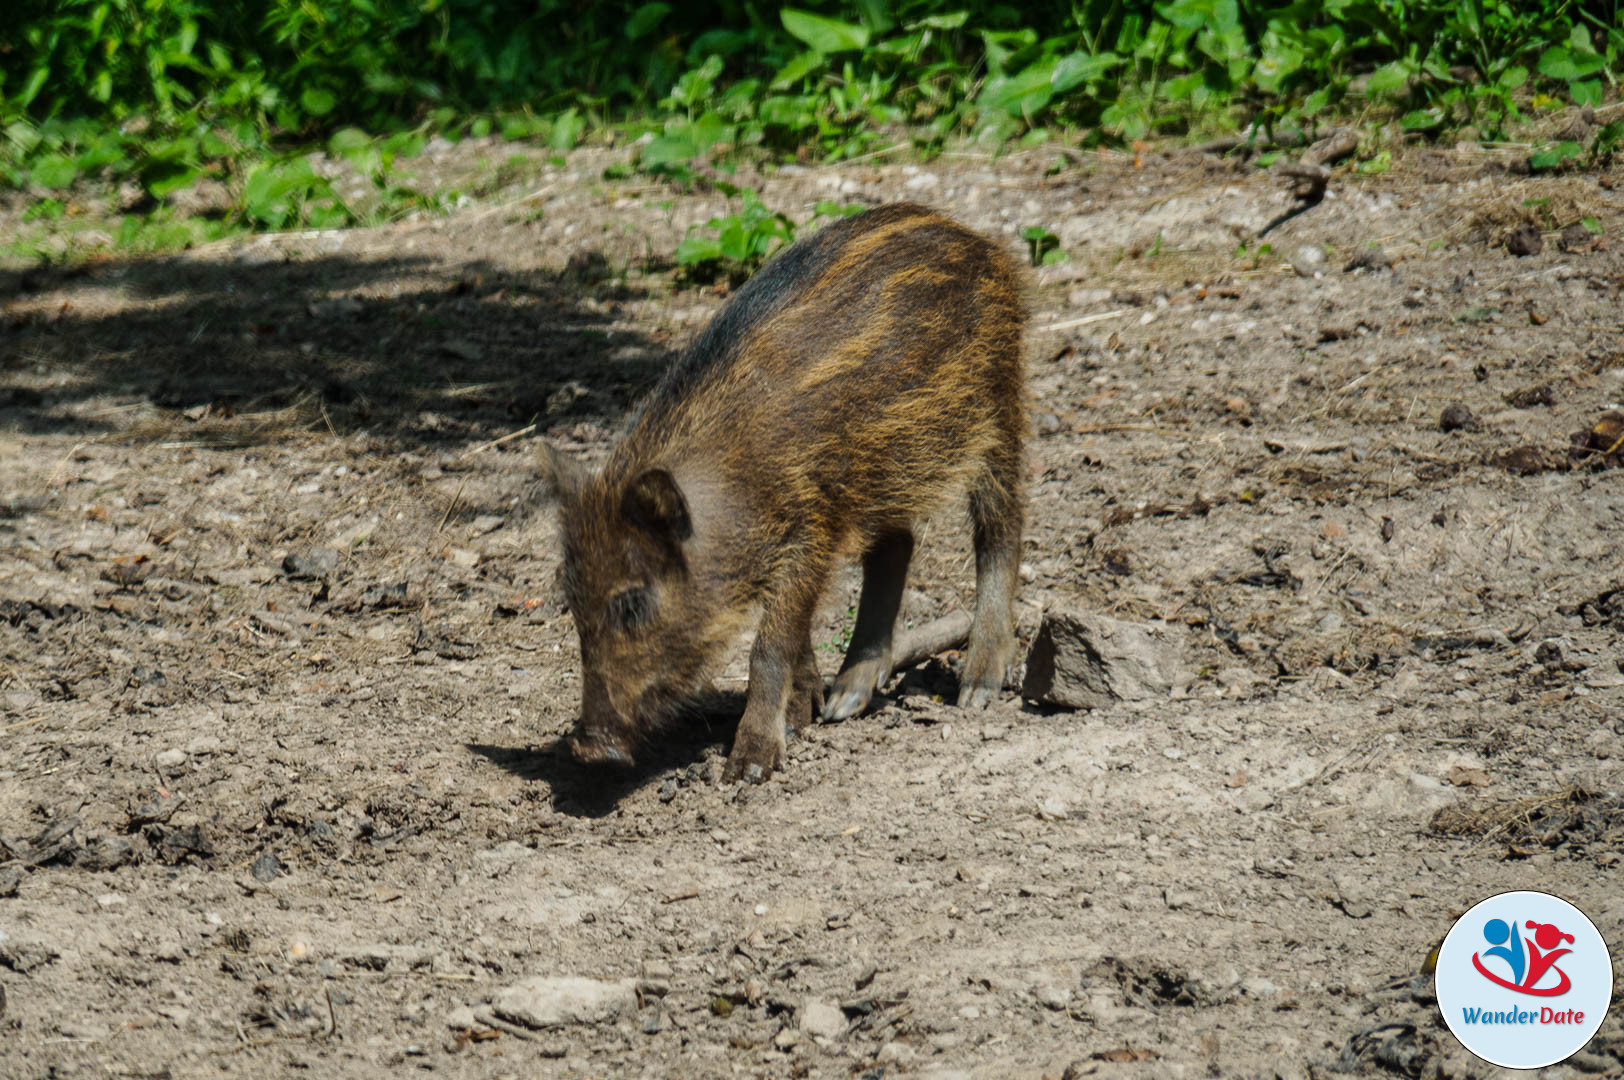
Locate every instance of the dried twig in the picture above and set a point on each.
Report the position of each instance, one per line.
(496, 442)
(1084, 320)
(489, 1019)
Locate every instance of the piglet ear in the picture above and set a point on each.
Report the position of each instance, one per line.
(561, 475)
(653, 502)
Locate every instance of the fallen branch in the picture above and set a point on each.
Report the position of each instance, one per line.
(1333, 148)
(923, 642)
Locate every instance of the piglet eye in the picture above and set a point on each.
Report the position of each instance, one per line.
(632, 607)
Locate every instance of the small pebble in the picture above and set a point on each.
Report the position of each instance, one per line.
(1053, 997)
(1308, 260)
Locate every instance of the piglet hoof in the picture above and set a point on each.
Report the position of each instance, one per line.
(972, 696)
(854, 688)
(752, 763)
(588, 750)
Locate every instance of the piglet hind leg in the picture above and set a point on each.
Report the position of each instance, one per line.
(806, 693)
(995, 513)
(868, 658)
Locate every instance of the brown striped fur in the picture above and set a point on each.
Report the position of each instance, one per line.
(861, 378)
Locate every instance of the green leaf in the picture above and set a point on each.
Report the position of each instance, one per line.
(1279, 62)
(1316, 101)
(32, 87)
(317, 102)
(1194, 14)
(567, 128)
(1560, 62)
(876, 15)
(646, 19)
(168, 182)
(823, 34)
(1376, 165)
(1557, 63)
(1422, 120)
(1078, 68)
(22, 135)
(1592, 225)
(1389, 78)
(1181, 88)
(1587, 92)
(1553, 156)
(53, 171)
(670, 149)
(1021, 94)
(952, 20)
(698, 249)
(1513, 77)
(797, 69)
(348, 140)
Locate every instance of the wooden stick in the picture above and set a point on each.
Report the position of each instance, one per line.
(923, 642)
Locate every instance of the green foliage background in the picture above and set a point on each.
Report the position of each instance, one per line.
(166, 91)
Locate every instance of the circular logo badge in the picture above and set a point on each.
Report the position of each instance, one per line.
(1524, 980)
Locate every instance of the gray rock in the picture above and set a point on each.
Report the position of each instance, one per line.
(1084, 661)
(315, 563)
(461, 1018)
(821, 1019)
(553, 1001)
(104, 852)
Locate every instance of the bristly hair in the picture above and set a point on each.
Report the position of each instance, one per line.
(774, 286)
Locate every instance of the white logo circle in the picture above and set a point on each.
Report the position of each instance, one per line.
(1524, 980)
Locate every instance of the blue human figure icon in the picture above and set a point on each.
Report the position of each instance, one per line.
(1507, 945)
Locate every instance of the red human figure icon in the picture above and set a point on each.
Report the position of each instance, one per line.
(1547, 937)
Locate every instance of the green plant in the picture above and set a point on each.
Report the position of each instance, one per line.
(1043, 246)
(169, 92)
(737, 243)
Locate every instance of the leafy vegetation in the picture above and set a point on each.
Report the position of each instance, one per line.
(737, 244)
(167, 94)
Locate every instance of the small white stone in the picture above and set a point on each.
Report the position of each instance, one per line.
(821, 1019)
(1053, 997)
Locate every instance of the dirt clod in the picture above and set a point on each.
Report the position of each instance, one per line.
(1525, 240)
(1457, 417)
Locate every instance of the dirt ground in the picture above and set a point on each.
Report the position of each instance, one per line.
(283, 669)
